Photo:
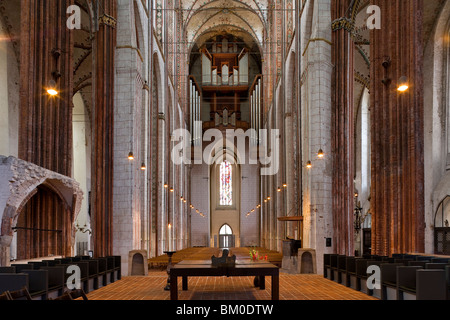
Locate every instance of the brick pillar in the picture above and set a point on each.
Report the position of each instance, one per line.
(342, 129)
(103, 121)
(397, 195)
(45, 125)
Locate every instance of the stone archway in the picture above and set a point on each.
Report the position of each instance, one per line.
(19, 182)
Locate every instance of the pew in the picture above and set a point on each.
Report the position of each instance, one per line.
(101, 272)
(93, 275)
(7, 269)
(361, 274)
(411, 256)
(436, 265)
(406, 282)
(389, 280)
(326, 264)
(13, 281)
(447, 280)
(332, 267)
(440, 260)
(418, 263)
(22, 266)
(51, 263)
(109, 270)
(423, 258)
(350, 270)
(340, 268)
(38, 284)
(56, 281)
(118, 267)
(403, 261)
(431, 284)
(38, 264)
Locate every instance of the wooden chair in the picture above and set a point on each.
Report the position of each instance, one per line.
(21, 294)
(65, 296)
(79, 293)
(5, 296)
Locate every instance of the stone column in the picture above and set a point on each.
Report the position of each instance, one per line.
(397, 134)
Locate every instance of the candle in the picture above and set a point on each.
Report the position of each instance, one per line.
(170, 236)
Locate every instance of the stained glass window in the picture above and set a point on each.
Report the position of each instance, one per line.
(226, 188)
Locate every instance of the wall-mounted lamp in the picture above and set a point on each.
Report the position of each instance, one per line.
(403, 84)
(52, 90)
(309, 165)
(320, 153)
(131, 156)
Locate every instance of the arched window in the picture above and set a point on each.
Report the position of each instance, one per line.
(226, 184)
(225, 230)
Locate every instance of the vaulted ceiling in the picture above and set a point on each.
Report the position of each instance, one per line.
(203, 19)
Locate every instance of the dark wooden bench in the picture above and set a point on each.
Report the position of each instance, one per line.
(118, 267)
(110, 270)
(440, 260)
(424, 258)
(102, 266)
(388, 279)
(326, 264)
(332, 267)
(341, 269)
(22, 266)
(361, 274)
(93, 274)
(436, 265)
(56, 280)
(431, 284)
(350, 271)
(13, 281)
(7, 269)
(418, 263)
(406, 282)
(38, 284)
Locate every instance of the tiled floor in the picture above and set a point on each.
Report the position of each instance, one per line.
(292, 287)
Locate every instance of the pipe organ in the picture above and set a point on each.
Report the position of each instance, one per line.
(228, 86)
(195, 112)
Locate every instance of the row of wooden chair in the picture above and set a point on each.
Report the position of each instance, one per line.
(402, 276)
(23, 294)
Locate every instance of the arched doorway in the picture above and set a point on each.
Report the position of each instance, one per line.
(226, 237)
(38, 212)
(442, 228)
